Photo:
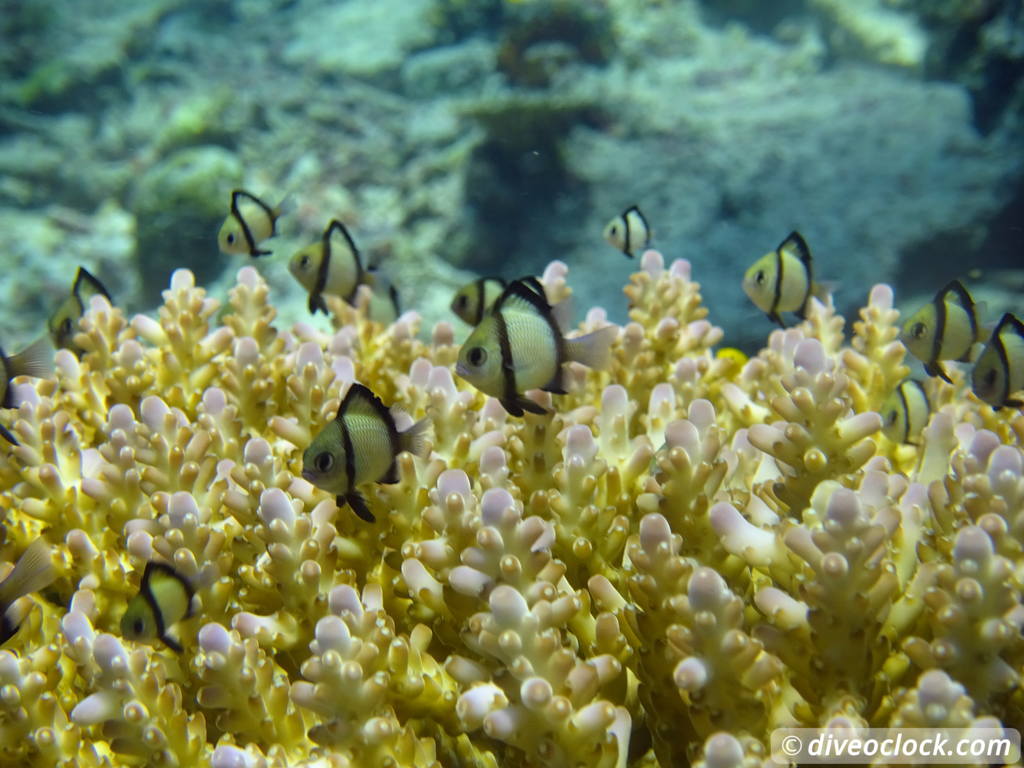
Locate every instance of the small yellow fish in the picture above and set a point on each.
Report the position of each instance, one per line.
(332, 265)
(33, 572)
(905, 412)
(628, 232)
(64, 321)
(250, 222)
(359, 447)
(731, 353)
(35, 360)
(783, 280)
(518, 346)
(473, 299)
(943, 329)
(164, 599)
(999, 372)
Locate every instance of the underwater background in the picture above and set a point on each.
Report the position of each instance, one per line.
(463, 137)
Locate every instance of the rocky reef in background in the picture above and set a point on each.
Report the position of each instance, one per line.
(493, 136)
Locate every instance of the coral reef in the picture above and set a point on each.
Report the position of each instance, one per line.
(686, 553)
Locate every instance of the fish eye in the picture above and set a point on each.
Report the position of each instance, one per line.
(477, 356)
(990, 378)
(323, 462)
(460, 302)
(615, 229)
(65, 325)
(917, 330)
(137, 627)
(231, 238)
(890, 418)
(304, 261)
(759, 277)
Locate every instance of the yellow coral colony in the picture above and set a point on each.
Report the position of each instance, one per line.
(687, 553)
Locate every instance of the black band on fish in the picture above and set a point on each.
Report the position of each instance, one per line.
(1004, 359)
(940, 327)
(350, 459)
(773, 311)
(154, 606)
(906, 414)
(966, 302)
(360, 272)
(625, 239)
(508, 371)
(83, 276)
(321, 272)
(246, 232)
(8, 401)
(481, 292)
(643, 220)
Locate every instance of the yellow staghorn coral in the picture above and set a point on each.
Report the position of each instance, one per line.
(685, 554)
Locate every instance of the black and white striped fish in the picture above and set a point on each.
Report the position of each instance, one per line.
(519, 346)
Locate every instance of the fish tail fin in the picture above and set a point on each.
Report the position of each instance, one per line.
(595, 349)
(286, 205)
(562, 314)
(35, 360)
(33, 571)
(414, 439)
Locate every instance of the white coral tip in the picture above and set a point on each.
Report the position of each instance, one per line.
(691, 674)
(654, 531)
(707, 589)
(478, 702)
(275, 505)
(344, 598)
(332, 634)
(182, 506)
(453, 481)
(723, 750)
(110, 654)
(76, 626)
(215, 638)
(535, 693)
(972, 543)
(95, 709)
(469, 581)
(493, 505)
(508, 606)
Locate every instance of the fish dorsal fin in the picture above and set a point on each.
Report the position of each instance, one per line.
(321, 278)
(360, 400)
(956, 289)
(643, 220)
(86, 286)
(1012, 322)
(250, 240)
(525, 293)
(795, 242)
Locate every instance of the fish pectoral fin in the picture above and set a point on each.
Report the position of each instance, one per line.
(317, 304)
(7, 435)
(518, 405)
(391, 476)
(936, 369)
(171, 642)
(775, 318)
(355, 500)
